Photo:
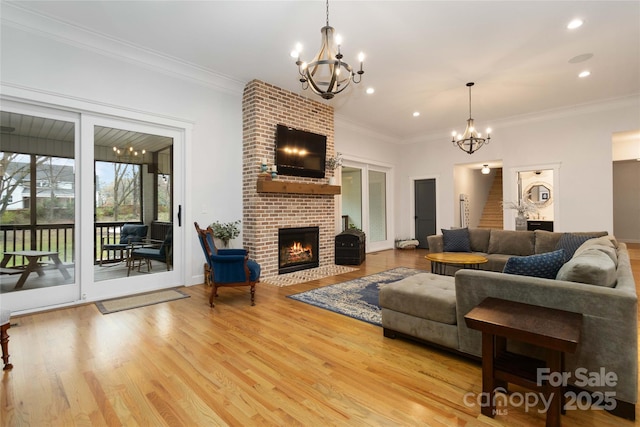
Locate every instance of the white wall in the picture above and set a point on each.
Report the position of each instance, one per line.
(214, 169)
(579, 139)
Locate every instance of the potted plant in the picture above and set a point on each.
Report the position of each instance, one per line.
(225, 231)
(523, 209)
(333, 163)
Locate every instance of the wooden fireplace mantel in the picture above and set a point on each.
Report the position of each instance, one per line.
(264, 186)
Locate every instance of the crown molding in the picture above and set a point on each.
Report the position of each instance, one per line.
(22, 18)
(628, 101)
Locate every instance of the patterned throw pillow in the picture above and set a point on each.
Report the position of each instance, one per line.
(570, 242)
(456, 240)
(544, 265)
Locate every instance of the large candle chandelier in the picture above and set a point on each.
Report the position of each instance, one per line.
(471, 140)
(327, 74)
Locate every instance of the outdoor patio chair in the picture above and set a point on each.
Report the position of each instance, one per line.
(129, 233)
(149, 249)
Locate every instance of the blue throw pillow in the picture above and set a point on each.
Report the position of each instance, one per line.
(544, 265)
(456, 240)
(570, 242)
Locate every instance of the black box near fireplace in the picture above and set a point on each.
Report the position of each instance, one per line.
(298, 249)
(350, 247)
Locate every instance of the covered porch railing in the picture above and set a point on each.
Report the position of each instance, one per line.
(60, 238)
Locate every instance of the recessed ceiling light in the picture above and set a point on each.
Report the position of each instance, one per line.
(575, 23)
(416, 113)
(585, 73)
(370, 90)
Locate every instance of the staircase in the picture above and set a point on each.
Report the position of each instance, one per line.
(493, 213)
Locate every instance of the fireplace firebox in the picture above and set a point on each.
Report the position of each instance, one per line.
(298, 249)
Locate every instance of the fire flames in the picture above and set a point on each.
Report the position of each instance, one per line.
(298, 253)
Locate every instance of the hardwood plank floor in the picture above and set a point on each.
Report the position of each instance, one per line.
(281, 362)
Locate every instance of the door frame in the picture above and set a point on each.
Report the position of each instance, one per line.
(97, 290)
(365, 166)
(40, 298)
(412, 200)
(31, 100)
(510, 188)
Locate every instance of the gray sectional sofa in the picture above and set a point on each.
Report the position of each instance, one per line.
(597, 281)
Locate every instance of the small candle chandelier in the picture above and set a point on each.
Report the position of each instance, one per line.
(327, 74)
(471, 140)
(128, 154)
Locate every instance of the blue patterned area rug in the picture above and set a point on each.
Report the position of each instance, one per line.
(356, 298)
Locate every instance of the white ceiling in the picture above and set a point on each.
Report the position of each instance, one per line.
(419, 54)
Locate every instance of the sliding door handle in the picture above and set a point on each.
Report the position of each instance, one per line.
(179, 215)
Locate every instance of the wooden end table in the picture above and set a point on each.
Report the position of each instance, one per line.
(440, 260)
(557, 331)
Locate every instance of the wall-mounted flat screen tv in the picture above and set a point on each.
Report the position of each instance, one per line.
(300, 153)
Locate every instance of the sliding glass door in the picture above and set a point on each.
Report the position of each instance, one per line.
(72, 187)
(365, 202)
(38, 209)
(137, 223)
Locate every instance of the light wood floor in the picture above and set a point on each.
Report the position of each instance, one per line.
(280, 363)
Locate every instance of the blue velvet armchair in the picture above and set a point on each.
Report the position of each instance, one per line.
(227, 267)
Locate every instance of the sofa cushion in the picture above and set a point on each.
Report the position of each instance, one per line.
(606, 244)
(423, 295)
(570, 242)
(591, 266)
(479, 239)
(133, 233)
(456, 240)
(608, 241)
(546, 241)
(511, 242)
(495, 262)
(541, 265)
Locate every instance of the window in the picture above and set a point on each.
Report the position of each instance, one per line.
(118, 192)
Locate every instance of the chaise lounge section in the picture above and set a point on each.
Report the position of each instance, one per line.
(596, 281)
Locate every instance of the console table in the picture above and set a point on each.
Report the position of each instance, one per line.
(557, 331)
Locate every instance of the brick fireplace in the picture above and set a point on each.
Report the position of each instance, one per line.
(264, 106)
(297, 248)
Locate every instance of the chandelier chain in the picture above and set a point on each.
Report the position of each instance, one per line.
(327, 13)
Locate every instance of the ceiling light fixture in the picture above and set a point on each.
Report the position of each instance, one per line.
(575, 23)
(416, 113)
(585, 73)
(327, 74)
(127, 154)
(470, 141)
(370, 90)
(485, 170)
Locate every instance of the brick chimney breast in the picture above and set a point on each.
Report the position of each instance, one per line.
(264, 106)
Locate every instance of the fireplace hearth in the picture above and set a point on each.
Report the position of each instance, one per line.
(298, 249)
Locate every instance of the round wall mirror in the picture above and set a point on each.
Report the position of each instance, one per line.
(539, 194)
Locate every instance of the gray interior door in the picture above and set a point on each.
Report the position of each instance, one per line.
(425, 211)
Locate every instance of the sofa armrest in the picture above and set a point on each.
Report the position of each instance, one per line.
(435, 242)
(609, 336)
